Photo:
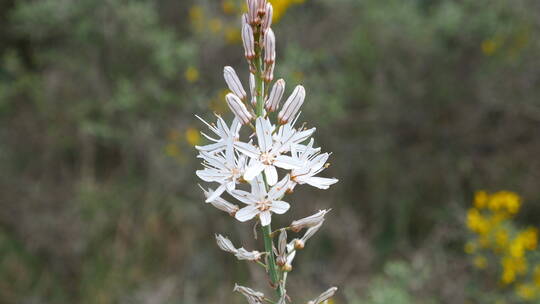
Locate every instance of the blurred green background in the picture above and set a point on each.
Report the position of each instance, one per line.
(422, 102)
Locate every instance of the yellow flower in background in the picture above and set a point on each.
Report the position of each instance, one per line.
(228, 6)
(232, 35)
(215, 25)
(536, 275)
(480, 262)
(526, 291)
(191, 74)
(172, 150)
(193, 136)
(480, 199)
(489, 47)
(218, 104)
(476, 222)
(281, 6)
(470, 247)
(196, 16)
(501, 238)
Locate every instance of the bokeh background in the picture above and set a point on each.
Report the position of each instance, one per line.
(422, 102)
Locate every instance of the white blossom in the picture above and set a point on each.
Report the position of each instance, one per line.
(260, 202)
(310, 221)
(220, 203)
(253, 296)
(224, 168)
(312, 164)
(267, 156)
(226, 135)
(324, 296)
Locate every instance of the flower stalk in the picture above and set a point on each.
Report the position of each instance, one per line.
(233, 163)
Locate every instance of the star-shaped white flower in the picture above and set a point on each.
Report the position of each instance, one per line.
(224, 167)
(226, 135)
(260, 202)
(312, 164)
(267, 156)
(287, 136)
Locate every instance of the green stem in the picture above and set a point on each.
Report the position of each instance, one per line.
(272, 268)
(259, 109)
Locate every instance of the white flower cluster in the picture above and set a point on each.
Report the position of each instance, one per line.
(259, 165)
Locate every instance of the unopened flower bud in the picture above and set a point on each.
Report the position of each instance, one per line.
(267, 19)
(233, 82)
(225, 244)
(248, 41)
(272, 103)
(280, 260)
(262, 7)
(310, 232)
(269, 72)
(253, 89)
(299, 244)
(292, 105)
(253, 11)
(269, 46)
(310, 221)
(286, 268)
(238, 108)
(324, 296)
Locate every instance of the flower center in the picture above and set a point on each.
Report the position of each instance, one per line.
(235, 173)
(263, 205)
(267, 158)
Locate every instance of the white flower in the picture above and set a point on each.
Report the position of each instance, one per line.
(260, 202)
(312, 164)
(288, 137)
(226, 135)
(253, 296)
(233, 82)
(310, 221)
(220, 203)
(225, 169)
(242, 254)
(267, 156)
(324, 296)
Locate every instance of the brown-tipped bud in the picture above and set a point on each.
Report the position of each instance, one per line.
(248, 41)
(262, 7)
(272, 103)
(233, 82)
(299, 244)
(253, 11)
(269, 46)
(253, 89)
(292, 105)
(238, 108)
(286, 268)
(267, 19)
(269, 72)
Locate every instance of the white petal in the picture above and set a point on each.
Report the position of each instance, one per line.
(271, 175)
(280, 207)
(216, 193)
(247, 149)
(287, 162)
(266, 218)
(278, 190)
(264, 136)
(319, 182)
(244, 197)
(253, 170)
(246, 213)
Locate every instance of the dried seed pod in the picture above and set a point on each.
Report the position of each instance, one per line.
(310, 221)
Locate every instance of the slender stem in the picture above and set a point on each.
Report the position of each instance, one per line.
(272, 268)
(259, 109)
